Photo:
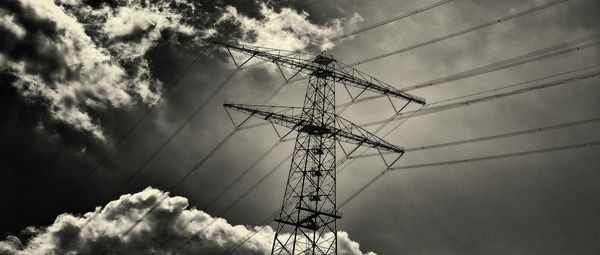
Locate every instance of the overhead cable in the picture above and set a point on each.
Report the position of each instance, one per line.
(492, 137)
(491, 97)
(129, 131)
(471, 29)
(499, 156)
(387, 21)
(367, 28)
(556, 50)
(276, 211)
(164, 144)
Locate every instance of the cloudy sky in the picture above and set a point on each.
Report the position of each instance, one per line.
(77, 74)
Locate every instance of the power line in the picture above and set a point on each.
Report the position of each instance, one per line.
(244, 195)
(268, 219)
(164, 144)
(234, 203)
(559, 1)
(268, 174)
(519, 84)
(138, 122)
(386, 21)
(372, 26)
(242, 174)
(492, 97)
(201, 162)
(466, 141)
(378, 176)
(484, 25)
(181, 126)
(552, 51)
(154, 206)
(526, 58)
(546, 150)
(172, 187)
(385, 123)
(129, 131)
(251, 166)
(505, 87)
(342, 205)
(170, 138)
(391, 119)
(252, 234)
(231, 184)
(287, 13)
(413, 113)
(500, 156)
(522, 59)
(382, 126)
(493, 137)
(282, 139)
(222, 85)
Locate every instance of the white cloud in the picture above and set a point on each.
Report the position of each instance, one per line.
(8, 21)
(353, 22)
(86, 70)
(164, 225)
(287, 29)
(149, 21)
(93, 59)
(73, 69)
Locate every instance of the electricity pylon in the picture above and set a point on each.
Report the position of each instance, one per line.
(307, 220)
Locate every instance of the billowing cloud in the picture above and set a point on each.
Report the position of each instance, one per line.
(82, 57)
(162, 232)
(288, 29)
(57, 61)
(60, 62)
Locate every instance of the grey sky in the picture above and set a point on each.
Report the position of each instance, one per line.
(537, 204)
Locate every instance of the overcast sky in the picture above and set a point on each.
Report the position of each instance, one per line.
(77, 74)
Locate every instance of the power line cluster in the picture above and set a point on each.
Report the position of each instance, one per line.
(564, 48)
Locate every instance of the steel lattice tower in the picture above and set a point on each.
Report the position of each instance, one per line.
(309, 203)
(307, 220)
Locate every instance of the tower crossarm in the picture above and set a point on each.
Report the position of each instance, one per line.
(293, 117)
(353, 77)
(311, 65)
(361, 136)
(289, 117)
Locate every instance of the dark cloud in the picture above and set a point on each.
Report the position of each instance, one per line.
(33, 148)
(32, 49)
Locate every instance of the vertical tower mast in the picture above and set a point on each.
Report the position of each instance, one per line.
(307, 220)
(309, 203)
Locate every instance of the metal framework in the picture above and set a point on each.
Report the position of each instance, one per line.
(307, 220)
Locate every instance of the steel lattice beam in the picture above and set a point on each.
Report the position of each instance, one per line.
(313, 66)
(292, 117)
